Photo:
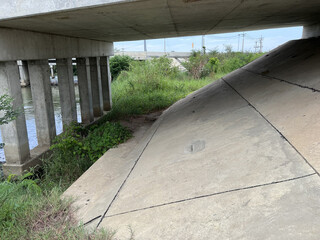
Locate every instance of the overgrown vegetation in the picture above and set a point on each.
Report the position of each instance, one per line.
(30, 206)
(30, 211)
(75, 150)
(118, 64)
(200, 65)
(150, 86)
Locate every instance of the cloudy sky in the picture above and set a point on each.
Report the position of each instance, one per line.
(271, 39)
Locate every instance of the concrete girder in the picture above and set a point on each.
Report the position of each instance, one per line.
(26, 45)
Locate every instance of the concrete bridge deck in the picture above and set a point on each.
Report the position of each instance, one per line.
(238, 159)
(121, 20)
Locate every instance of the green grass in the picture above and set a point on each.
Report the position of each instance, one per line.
(150, 86)
(29, 212)
(30, 206)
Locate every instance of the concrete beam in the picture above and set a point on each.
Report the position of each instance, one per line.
(310, 31)
(42, 101)
(84, 84)
(14, 134)
(105, 83)
(66, 91)
(95, 87)
(26, 45)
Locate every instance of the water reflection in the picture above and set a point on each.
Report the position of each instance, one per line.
(29, 113)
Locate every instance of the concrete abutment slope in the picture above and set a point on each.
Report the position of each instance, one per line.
(238, 159)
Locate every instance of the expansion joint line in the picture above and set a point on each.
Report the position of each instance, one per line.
(131, 170)
(211, 195)
(271, 126)
(282, 80)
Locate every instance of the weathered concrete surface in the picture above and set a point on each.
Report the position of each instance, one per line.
(288, 210)
(122, 20)
(237, 159)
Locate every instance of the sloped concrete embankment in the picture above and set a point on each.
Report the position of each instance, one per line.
(238, 159)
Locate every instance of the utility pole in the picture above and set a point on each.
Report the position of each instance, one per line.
(261, 44)
(145, 45)
(239, 35)
(256, 46)
(243, 35)
(164, 45)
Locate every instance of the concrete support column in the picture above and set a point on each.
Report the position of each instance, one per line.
(24, 73)
(42, 101)
(14, 134)
(106, 83)
(95, 89)
(84, 84)
(310, 31)
(66, 91)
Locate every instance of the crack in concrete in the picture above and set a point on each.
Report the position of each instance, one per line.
(134, 165)
(171, 16)
(210, 195)
(272, 126)
(282, 80)
(225, 16)
(91, 220)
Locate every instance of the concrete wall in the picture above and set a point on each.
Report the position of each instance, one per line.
(26, 45)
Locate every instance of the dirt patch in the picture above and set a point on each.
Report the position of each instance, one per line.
(135, 122)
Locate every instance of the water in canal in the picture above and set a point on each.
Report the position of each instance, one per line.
(29, 113)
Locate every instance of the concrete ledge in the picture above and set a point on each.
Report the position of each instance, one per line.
(26, 45)
(35, 160)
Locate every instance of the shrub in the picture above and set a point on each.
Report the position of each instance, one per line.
(196, 63)
(76, 149)
(118, 64)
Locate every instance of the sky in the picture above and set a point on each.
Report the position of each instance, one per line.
(272, 38)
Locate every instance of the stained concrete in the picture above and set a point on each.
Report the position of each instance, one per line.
(237, 159)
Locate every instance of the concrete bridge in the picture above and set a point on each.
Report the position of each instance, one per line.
(35, 31)
(254, 172)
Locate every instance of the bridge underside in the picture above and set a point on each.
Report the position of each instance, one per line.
(121, 20)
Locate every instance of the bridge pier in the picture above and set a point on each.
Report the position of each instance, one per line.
(310, 31)
(42, 101)
(14, 134)
(84, 84)
(24, 73)
(66, 91)
(106, 83)
(95, 87)
(20, 46)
